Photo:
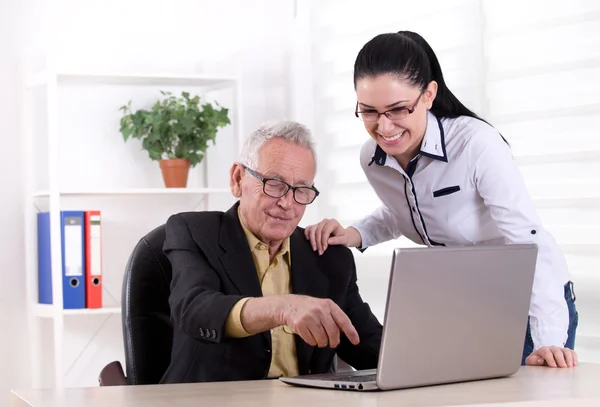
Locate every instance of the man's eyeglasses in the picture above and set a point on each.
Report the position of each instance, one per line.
(276, 189)
(397, 113)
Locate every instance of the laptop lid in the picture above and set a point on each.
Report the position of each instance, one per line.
(455, 314)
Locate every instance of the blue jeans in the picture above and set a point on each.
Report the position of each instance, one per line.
(573, 321)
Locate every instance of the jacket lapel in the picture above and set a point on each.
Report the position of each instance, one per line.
(236, 257)
(307, 279)
(237, 260)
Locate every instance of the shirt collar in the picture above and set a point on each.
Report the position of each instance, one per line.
(256, 244)
(434, 142)
(432, 146)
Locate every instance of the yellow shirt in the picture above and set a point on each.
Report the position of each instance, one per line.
(274, 278)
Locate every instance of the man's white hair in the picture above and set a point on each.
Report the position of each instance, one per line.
(292, 131)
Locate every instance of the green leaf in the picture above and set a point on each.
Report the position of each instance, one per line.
(175, 127)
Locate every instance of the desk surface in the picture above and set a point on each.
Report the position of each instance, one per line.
(530, 387)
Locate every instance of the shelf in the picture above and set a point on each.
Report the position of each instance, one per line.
(48, 311)
(134, 191)
(122, 78)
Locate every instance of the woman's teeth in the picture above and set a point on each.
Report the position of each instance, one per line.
(393, 138)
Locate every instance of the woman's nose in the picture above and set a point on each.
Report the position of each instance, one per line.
(384, 124)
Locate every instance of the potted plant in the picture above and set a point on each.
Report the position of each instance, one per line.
(175, 132)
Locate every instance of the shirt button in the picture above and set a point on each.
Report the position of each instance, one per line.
(414, 209)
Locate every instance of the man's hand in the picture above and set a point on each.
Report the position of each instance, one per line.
(552, 356)
(318, 321)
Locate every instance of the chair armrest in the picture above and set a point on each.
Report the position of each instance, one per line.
(112, 375)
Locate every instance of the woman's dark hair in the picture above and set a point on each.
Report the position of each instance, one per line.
(407, 55)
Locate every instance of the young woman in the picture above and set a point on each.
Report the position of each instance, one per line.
(447, 177)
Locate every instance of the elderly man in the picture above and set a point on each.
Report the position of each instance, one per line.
(250, 299)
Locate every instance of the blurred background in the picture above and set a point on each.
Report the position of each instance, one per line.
(529, 67)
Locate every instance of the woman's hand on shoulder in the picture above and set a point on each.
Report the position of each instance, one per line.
(331, 232)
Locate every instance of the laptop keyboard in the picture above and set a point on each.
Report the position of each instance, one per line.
(354, 379)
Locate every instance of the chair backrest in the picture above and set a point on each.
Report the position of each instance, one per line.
(147, 328)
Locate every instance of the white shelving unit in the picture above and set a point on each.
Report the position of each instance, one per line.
(47, 77)
(50, 311)
(134, 191)
(54, 197)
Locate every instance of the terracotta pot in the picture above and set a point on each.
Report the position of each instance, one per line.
(175, 172)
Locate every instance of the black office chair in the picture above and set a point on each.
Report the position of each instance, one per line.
(147, 328)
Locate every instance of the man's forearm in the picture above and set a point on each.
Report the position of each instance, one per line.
(262, 314)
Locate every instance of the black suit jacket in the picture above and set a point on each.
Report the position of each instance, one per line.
(213, 269)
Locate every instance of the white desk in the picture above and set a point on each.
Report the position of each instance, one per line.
(530, 387)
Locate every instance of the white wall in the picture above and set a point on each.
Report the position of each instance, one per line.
(249, 39)
(13, 323)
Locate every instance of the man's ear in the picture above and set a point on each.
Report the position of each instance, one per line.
(235, 179)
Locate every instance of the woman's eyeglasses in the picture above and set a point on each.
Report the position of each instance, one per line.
(397, 113)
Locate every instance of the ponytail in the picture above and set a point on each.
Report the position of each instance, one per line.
(445, 103)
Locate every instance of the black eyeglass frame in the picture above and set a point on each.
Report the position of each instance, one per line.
(264, 181)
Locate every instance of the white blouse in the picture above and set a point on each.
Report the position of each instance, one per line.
(464, 188)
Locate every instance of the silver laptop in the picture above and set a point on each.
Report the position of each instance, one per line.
(452, 315)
